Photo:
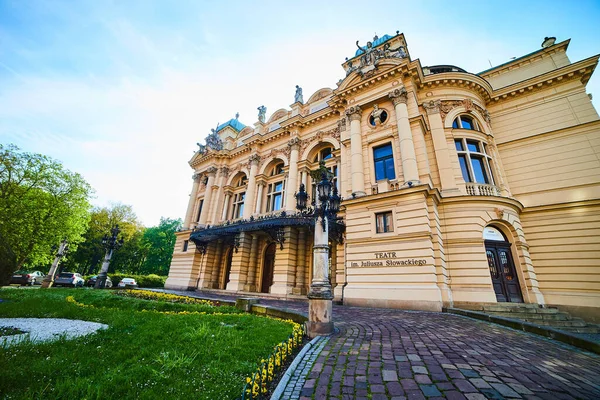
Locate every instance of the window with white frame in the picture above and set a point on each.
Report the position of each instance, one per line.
(277, 170)
(466, 122)
(475, 163)
(383, 222)
(275, 196)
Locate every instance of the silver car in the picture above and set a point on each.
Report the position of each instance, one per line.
(71, 279)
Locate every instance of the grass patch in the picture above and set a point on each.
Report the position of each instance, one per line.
(151, 350)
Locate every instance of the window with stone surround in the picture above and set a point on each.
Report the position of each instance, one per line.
(275, 196)
(238, 205)
(383, 158)
(475, 163)
(185, 245)
(383, 222)
(465, 121)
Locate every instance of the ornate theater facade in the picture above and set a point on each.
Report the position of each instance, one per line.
(457, 187)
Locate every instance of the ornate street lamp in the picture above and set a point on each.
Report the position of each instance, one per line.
(110, 243)
(320, 294)
(62, 250)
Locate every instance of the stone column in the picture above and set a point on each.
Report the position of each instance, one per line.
(300, 283)
(356, 154)
(250, 285)
(292, 182)
(217, 266)
(192, 201)
(226, 206)
(259, 196)
(223, 174)
(211, 172)
(407, 148)
(249, 201)
(440, 145)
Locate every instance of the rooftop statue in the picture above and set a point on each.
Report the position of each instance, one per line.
(399, 52)
(298, 96)
(368, 56)
(201, 148)
(262, 111)
(213, 141)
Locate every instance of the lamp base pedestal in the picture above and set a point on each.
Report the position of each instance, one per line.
(319, 318)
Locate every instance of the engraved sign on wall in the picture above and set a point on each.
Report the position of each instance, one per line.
(388, 259)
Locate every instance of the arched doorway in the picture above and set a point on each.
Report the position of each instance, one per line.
(227, 268)
(502, 268)
(268, 267)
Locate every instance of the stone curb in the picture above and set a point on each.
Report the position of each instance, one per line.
(531, 328)
(278, 392)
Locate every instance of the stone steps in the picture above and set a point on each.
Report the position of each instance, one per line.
(535, 314)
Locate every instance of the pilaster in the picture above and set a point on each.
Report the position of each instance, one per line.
(239, 264)
(285, 260)
(354, 113)
(440, 146)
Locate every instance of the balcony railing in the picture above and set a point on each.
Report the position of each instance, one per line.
(476, 189)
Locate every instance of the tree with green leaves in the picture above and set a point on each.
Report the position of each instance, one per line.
(90, 253)
(41, 203)
(159, 242)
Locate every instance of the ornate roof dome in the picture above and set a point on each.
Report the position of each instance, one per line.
(234, 123)
(376, 42)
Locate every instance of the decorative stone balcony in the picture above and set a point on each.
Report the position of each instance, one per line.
(477, 189)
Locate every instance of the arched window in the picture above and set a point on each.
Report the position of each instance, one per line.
(324, 154)
(277, 170)
(238, 197)
(465, 121)
(241, 181)
(475, 163)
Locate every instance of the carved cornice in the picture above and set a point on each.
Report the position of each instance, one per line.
(399, 95)
(354, 113)
(432, 107)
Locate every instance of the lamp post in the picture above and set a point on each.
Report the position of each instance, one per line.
(110, 244)
(320, 295)
(62, 250)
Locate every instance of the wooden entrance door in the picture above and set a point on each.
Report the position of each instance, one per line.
(502, 270)
(268, 268)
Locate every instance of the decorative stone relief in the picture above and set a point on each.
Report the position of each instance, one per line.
(468, 104)
(354, 113)
(342, 124)
(432, 106)
(254, 159)
(211, 171)
(224, 172)
(294, 143)
(399, 95)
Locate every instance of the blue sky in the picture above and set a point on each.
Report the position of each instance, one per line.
(121, 91)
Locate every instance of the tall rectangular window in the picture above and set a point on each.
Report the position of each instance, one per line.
(275, 196)
(383, 222)
(384, 162)
(238, 205)
(475, 163)
(185, 245)
(200, 209)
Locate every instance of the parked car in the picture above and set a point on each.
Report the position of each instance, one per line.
(128, 282)
(69, 279)
(91, 282)
(27, 278)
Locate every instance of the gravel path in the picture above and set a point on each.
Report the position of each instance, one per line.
(43, 329)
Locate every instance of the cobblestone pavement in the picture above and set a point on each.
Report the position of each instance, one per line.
(396, 354)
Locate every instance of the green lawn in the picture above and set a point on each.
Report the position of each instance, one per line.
(144, 354)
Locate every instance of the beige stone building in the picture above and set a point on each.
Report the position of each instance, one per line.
(457, 187)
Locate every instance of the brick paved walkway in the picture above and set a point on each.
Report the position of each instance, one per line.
(395, 354)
